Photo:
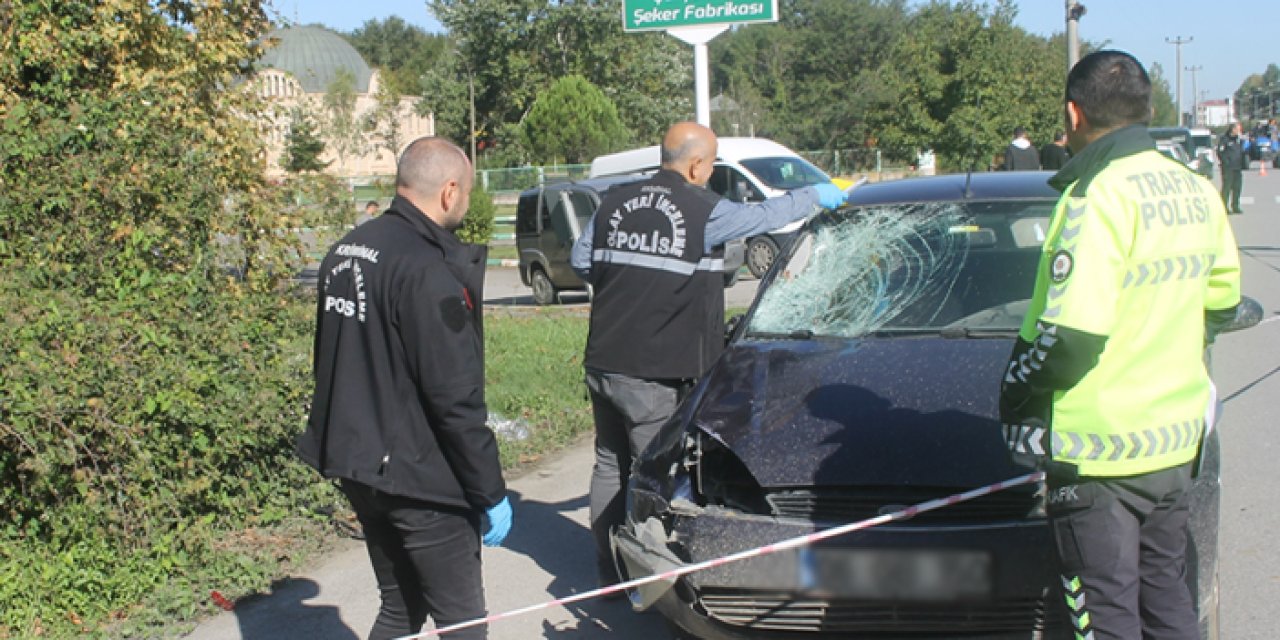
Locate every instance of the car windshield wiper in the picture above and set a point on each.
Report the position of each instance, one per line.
(977, 332)
(797, 334)
(945, 332)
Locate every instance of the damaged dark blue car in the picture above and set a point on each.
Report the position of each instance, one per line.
(864, 379)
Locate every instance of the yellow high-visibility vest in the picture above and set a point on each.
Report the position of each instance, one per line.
(1137, 258)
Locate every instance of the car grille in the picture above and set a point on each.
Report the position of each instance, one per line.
(851, 505)
(788, 613)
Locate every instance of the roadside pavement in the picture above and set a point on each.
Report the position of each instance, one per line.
(548, 555)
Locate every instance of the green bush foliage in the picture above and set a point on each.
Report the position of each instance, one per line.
(477, 226)
(155, 365)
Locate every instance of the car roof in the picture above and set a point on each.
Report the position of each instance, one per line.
(599, 185)
(729, 149)
(957, 187)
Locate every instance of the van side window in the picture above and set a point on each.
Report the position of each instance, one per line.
(526, 214)
(544, 212)
(732, 184)
(583, 207)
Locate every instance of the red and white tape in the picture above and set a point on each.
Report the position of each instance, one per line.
(790, 543)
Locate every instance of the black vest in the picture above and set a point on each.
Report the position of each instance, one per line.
(658, 308)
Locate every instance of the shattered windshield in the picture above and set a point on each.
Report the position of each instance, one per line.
(785, 173)
(907, 268)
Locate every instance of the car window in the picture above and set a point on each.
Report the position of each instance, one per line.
(785, 173)
(583, 207)
(527, 214)
(732, 184)
(919, 267)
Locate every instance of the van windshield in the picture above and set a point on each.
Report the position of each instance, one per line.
(785, 173)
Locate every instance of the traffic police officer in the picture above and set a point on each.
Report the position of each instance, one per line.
(653, 254)
(1107, 387)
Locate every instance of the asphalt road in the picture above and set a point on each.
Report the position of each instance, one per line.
(548, 554)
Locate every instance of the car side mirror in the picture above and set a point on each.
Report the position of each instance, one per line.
(731, 327)
(1248, 313)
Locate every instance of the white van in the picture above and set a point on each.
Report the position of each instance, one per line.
(747, 170)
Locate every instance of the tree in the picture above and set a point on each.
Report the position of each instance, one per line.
(573, 121)
(1164, 111)
(959, 79)
(403, 52)
(303, 146)
(384, 121)
(512, 49)
(344, 129)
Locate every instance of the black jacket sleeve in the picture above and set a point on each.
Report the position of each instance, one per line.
(1215, 320)
(444, 353)
(1057, 360)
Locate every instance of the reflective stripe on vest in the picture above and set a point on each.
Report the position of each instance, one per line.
(674, 265)
(1186, 267)
(1069, 446)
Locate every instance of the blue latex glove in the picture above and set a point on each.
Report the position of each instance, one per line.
(830, 196)
(500, 517)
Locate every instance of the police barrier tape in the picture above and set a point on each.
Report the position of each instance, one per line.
(790, 543)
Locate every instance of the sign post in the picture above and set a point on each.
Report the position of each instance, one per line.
(696, 22)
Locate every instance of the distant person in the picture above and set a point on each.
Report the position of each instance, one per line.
(1232, 150)
(1020, 155)
(398, 415)
(653, 254)
(371, 208)
(1054, 156)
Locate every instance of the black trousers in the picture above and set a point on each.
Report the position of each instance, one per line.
(1232, 183)
(426, 559)
(1122, 545)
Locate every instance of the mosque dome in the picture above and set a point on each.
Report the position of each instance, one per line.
(313, 55)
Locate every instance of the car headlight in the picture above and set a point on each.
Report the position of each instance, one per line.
(721, 479)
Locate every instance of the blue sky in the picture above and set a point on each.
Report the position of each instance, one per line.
(1230, 38)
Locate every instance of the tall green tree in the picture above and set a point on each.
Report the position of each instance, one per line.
(385, 119)
(574, 122)
(960, 78)
(344, 129)
(303, 146)
(1164, 111)
(402, 51)
(512, 49)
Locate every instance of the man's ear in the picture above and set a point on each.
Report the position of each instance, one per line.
(1075, 117)
(448, 195)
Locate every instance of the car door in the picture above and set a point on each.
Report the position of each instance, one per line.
(559, 232)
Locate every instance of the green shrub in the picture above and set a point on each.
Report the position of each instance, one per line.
(477, 226)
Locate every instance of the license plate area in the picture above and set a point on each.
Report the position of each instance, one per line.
(917, 575)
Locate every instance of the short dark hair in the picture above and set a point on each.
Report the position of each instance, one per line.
(1058, 135)
(371, 203)
(1018, 132)
(1111, 88)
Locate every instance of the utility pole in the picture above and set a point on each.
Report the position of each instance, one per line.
(1195, 96)
(1177, 43)
(1074, 11)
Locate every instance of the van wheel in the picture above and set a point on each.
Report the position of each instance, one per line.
(544, 292)
(761, 252)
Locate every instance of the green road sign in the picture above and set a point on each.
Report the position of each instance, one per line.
(643, 15)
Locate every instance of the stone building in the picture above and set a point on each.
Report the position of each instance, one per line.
(297, 74)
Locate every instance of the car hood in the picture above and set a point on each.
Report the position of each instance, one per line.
(918, 411)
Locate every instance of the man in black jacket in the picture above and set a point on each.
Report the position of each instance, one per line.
(1020, 155)
(1231, 159)
(1054, 156)
(653, 251)
(399, 413)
